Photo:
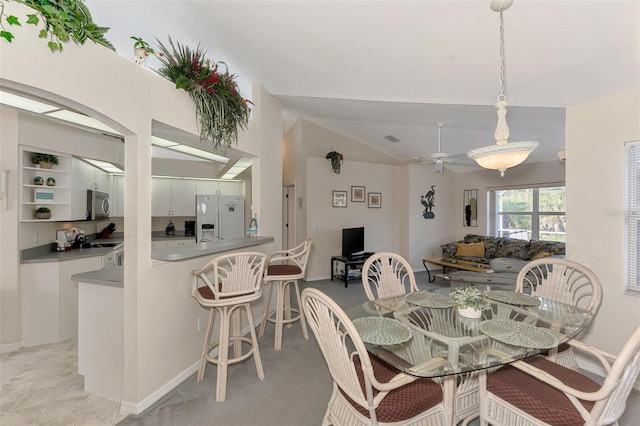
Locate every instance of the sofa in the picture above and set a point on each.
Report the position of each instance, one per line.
(506, 257)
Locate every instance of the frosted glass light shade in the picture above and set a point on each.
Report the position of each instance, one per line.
(502, 157)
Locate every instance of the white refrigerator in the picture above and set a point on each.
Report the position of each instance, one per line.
(219, 217)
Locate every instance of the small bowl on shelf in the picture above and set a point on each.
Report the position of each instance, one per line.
(51, 182)
(38, 180)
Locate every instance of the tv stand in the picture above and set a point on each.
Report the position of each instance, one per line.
(352, 266)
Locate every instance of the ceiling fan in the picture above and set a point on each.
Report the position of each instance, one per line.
(439, 158)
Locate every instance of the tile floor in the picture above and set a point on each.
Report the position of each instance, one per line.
(41, 386)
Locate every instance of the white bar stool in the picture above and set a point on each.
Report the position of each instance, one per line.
(285, 267)
(231, 281)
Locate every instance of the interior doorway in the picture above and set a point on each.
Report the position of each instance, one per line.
(289, 217)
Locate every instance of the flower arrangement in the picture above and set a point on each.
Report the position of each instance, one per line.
(220, 109)
(470, 297)
(336, 160)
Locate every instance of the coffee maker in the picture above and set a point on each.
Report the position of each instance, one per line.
(189, 228)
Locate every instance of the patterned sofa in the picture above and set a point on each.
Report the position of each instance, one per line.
(506, 256)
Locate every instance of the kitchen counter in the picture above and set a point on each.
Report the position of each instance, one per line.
(113, 276)
(202, 249)
(45, 254)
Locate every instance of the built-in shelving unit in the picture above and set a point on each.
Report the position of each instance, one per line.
(56, 197)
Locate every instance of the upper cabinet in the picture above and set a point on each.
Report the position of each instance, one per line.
(42, 187)
(173, 197)
(117, 196)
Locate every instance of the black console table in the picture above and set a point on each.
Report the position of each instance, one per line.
(352, 263)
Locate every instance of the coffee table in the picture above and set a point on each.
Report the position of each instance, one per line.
(456, 264)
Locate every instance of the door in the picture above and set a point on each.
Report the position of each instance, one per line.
(288, 217)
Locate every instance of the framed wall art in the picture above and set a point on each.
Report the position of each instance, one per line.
(357, 194)
(375, 200)
(339, 199)
(470, 207)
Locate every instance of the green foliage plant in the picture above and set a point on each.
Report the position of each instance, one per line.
(43, 210)
(336, 160)
(39, 157)
(63, 20)
(470, 297)
(220, 110)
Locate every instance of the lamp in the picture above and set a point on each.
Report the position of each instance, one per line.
(502, 155)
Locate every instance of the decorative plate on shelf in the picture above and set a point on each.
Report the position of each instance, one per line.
(38, 180)
(428, 300)
(382, 331)
(519, 334)
(512, 298)
(51, 182)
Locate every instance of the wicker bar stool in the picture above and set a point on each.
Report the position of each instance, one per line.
(285, 268)
(231, 283)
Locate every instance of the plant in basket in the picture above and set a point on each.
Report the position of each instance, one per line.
(470, 299)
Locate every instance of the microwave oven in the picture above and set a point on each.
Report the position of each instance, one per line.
(97, 205)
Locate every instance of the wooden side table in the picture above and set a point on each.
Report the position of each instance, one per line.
(456, 264)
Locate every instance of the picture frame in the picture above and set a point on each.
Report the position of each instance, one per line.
(339, 199)
(470, 207)
(375, 200)
(357, 194)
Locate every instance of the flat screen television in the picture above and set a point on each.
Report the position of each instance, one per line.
(352, 241)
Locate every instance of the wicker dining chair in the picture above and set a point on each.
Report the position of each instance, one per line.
(563, 281)
(540, 392)
(284, 269)
(387, 275)
(366, 390)
(231, 283)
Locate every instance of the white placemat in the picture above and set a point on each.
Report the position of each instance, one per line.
(428, 300)
(519, 334)
(512, 298)
(382, 331)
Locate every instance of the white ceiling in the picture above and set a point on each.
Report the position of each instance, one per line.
(368, 69)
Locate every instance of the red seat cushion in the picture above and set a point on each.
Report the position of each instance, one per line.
(535, 397)
(283, 270)
(400, 404)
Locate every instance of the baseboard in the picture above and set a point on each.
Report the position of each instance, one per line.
(10, 347)
(127, 407)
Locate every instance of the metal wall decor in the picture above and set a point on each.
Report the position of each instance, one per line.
(470, 210)
(427, 201)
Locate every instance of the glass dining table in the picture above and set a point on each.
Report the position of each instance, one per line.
(414, 332)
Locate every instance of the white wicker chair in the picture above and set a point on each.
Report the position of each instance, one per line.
(285, 267)
(387, 275)
(540, 392)
(564, 281)
(231, 282)
(366, 390)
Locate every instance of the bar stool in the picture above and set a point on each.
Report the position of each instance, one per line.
(285, 267)
(231, 283)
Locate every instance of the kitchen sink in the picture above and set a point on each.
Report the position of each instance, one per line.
(105, 244)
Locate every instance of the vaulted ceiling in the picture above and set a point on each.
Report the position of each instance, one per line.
(368, 69)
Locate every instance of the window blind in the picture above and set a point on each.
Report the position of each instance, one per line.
(632, 214)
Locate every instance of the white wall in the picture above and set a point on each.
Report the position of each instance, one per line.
(596, 132)
(161, 338)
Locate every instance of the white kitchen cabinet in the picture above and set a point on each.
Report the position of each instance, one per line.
(173, 197)
(102, 180)
(116, 196)
(158, 244)
(83, 175)
(50, 299)
(213, 186)
(56, 194)
(180, 243)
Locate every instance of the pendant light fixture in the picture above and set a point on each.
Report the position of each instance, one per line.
(502, 155)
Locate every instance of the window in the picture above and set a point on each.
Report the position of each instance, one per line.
(632, 216)
(530, 213)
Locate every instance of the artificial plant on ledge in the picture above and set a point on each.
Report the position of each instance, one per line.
(336, 160)
(220, 109)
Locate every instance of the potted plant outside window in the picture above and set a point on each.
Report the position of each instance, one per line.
(470, 301)
(43, 213)
(45, 161)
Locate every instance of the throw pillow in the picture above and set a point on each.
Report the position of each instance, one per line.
(542, 255)
(471, 249)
